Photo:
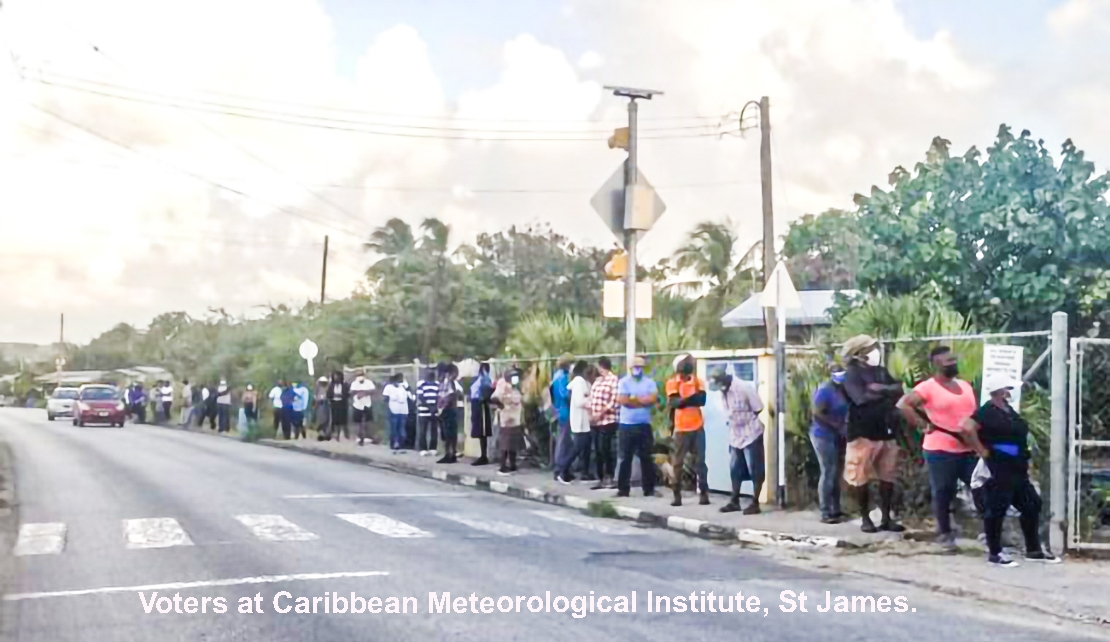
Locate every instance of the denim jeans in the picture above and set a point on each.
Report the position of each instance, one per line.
(397, 430)
(427, 436)
(564, 445)
(635, 440)
(690, 442)
(945, 470)
(581, 441)
(747, 464)
(606, 455)
(829, 447)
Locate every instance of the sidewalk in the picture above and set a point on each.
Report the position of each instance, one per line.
(773, 526)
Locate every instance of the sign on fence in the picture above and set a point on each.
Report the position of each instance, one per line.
(1006, 361)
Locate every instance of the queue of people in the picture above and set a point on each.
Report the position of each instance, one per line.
(858, 415)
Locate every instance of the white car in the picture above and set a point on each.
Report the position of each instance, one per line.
(61, 403)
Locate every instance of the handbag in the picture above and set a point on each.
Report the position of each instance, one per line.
(981, 475)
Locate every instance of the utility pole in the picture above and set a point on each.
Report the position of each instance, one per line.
(774, 327)
(324, 272)
(631, 231)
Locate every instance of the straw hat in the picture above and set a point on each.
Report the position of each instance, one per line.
(857, 345)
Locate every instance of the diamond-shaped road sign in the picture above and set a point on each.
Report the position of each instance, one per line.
(609, 204)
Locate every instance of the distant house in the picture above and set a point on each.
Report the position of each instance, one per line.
(800, 322)
(123, 376)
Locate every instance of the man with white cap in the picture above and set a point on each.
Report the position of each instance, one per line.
(1004, 438)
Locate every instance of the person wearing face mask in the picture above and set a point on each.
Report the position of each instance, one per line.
(872, 453)
(828, 435)
(747, 461)
(938, 407)
(509, 402)
(1003, 438)
(361, 404)
(637, 394)
(685, 399)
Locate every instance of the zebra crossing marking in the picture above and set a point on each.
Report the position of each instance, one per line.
(501, 529)
(47, 538)
(275, 528)
(382, 525)
(154, 532)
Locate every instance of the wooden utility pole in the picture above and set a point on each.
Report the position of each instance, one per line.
(324, 272)
(768, 210)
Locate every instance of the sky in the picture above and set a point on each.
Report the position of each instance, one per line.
(128, 188)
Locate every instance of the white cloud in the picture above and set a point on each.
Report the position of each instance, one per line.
(853, 90)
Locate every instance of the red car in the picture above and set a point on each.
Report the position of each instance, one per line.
(99, 404)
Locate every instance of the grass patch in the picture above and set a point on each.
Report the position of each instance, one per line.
(603, 509)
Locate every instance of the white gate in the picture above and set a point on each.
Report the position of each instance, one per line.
(1089, 453)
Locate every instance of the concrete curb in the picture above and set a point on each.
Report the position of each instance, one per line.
(596, 508)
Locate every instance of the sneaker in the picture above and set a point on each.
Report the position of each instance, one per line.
(622, 493)
(892, 527)
(704, 501)
(752, 509)
(868, 526)
(589, 478)
(598, 486)
(1002, 561)
(481, 461)
(504, 472)
(947, 543)
(730, 507)
(1044, 557)
(830, 520)
(444, 460)
(563, 480)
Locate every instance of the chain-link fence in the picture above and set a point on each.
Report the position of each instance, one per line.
(907, 359)
(1089, 459)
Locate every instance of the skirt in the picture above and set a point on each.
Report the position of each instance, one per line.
(510, 439)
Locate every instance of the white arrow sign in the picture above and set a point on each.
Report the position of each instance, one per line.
(308, 351)
(781, 295)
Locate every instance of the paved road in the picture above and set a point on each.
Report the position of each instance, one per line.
(102, 510)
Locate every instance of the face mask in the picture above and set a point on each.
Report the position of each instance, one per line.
(637, 372)
(515, 381)
(873, 358)
(838, 377)
(686, 368)
(950, 370)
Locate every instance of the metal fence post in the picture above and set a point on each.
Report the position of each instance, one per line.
(1059, 445)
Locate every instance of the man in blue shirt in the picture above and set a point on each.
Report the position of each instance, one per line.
(828, 435)
(300, 405)
(636, 395)
(560, 399)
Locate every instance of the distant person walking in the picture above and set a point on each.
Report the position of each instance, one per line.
(747, 461)
(250, 404)
(186, 403)
(603, 423)
(509, 402)
(427, 416)
(637, 394)
(481, 417)
(276, 405)
(362, 405)
(685, 399)
(828, 434)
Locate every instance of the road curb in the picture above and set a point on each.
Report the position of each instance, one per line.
(596, 508)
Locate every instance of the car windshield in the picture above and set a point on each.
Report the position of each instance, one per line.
(67, 393)
(98, 394)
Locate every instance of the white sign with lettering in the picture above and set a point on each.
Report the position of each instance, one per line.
(1003, 360)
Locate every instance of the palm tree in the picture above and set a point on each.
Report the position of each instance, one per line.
(392, 241)
(434, 236)
(710, 256)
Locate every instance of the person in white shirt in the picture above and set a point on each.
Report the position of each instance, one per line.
(579, 418)
(275, 401)
(398, 398)
(361, 388)
(223, 406)
(167, 400)
(186, 403)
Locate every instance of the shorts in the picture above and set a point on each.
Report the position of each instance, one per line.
(359, 415)
(866, 461)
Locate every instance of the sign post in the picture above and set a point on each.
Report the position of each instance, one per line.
(780, 295)
(1003, 360)
(308, 352)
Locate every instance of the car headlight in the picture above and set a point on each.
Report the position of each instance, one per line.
(83, 406)
(120, 406)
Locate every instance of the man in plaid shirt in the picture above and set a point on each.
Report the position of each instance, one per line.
(603, 422)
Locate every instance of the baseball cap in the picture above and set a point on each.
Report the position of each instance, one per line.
(995, 381)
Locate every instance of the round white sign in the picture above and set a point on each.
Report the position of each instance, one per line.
(308, 350)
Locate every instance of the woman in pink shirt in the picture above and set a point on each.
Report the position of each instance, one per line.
(939, 407)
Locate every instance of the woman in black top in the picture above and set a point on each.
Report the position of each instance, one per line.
(1005, 435)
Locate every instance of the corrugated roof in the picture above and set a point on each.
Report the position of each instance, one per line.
(814, 310)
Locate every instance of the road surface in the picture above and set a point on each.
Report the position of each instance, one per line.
(108, 517)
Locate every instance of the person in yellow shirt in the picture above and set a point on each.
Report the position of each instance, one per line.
(685, 398)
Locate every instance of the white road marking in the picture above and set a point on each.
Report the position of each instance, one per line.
(370, 495)
(383, 525)
(48, 538)
(173, 586)
(275, 528)
(154, 532)
(501, 529)
(589, 523)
